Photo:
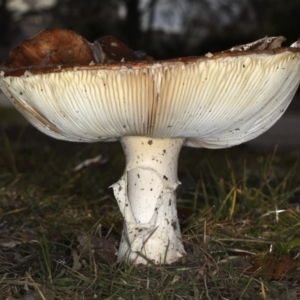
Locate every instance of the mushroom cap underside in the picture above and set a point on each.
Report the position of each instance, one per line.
(215, 102)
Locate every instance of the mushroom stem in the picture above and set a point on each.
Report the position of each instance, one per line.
(147, 199)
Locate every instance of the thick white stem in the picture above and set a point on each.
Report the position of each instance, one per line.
(146, 197)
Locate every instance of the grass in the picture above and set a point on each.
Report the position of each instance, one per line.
(59, 228)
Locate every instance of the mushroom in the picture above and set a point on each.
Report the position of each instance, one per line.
(73, 90)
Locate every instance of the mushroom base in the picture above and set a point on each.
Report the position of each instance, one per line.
(147, 199)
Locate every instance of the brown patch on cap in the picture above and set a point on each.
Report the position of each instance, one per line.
(51, 46)
(114, 50)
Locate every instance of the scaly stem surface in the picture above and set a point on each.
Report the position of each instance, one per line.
(147, 199)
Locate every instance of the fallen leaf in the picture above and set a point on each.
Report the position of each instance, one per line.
(271, 267)
(8, 242)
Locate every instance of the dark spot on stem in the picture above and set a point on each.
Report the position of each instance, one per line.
(174, 225)
(150, 142)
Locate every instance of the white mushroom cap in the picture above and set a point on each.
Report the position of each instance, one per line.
(217, 101)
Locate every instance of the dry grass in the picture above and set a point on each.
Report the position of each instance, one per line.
(239, 213)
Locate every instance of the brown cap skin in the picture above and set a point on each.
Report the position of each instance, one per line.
(49, 47)
(56, 50)
(112, 50)
(52, 50)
